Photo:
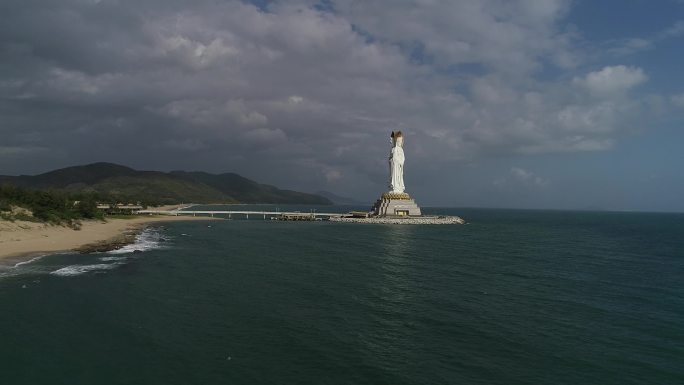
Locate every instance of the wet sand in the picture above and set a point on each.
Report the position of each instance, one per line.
(22, 240)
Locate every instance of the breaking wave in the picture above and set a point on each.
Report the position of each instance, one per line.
(149, 239)
(80, 269)
(34, 259)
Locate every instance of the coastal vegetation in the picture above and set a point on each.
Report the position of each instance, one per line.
(68, 195)
(107, 181)
(52, 206)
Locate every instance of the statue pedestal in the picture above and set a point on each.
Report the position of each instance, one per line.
(393, 204)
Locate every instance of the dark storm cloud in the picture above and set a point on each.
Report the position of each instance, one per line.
(291, 92)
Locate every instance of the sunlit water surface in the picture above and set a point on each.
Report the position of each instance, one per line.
(514, 297)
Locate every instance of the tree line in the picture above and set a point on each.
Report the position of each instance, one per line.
(57, 206)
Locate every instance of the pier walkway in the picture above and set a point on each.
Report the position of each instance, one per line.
(284, 215)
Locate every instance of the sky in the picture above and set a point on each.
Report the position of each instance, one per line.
(545, 104)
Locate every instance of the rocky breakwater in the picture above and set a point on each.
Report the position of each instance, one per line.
(423, 220)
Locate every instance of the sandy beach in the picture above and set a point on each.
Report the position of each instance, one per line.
(20, 240)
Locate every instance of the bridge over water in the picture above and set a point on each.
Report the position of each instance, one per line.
(245, 214)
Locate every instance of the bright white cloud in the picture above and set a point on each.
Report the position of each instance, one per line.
(634, 45)
(73, 81)
(678, 100)
(631, 46)
(520, 176)
(676, 30)
(333, 175)
(526, 176)
(462, 78)
(265, 135)
(518, 35)
(612, 80)
(294, 99)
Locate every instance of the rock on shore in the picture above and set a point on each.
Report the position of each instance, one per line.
(114, 243)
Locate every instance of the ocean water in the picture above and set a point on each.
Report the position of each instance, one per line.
(514, 297)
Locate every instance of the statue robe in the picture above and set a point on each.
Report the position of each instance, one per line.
(396, 163)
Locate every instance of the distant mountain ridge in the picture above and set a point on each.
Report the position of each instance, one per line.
(171, 187)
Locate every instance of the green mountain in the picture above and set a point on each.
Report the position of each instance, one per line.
(159, 187)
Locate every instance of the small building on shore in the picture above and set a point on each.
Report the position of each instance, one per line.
(120, 208)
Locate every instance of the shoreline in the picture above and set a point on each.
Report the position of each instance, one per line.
(23, 241)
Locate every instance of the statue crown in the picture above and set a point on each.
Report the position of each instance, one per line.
(397, 138)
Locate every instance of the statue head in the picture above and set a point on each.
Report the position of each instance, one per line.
(397, 139)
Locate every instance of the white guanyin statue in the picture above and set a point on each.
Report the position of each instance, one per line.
(396, 163)
(396, 203)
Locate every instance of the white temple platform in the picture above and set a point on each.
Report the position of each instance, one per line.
(422, 220)
(393, 204)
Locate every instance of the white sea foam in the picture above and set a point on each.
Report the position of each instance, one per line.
(36, 259)
(30, 260)
(149, 239)
(72, 270)
(24, 267)
(112, 259)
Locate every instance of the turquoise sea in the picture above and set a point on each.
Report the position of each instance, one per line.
(514, 297)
